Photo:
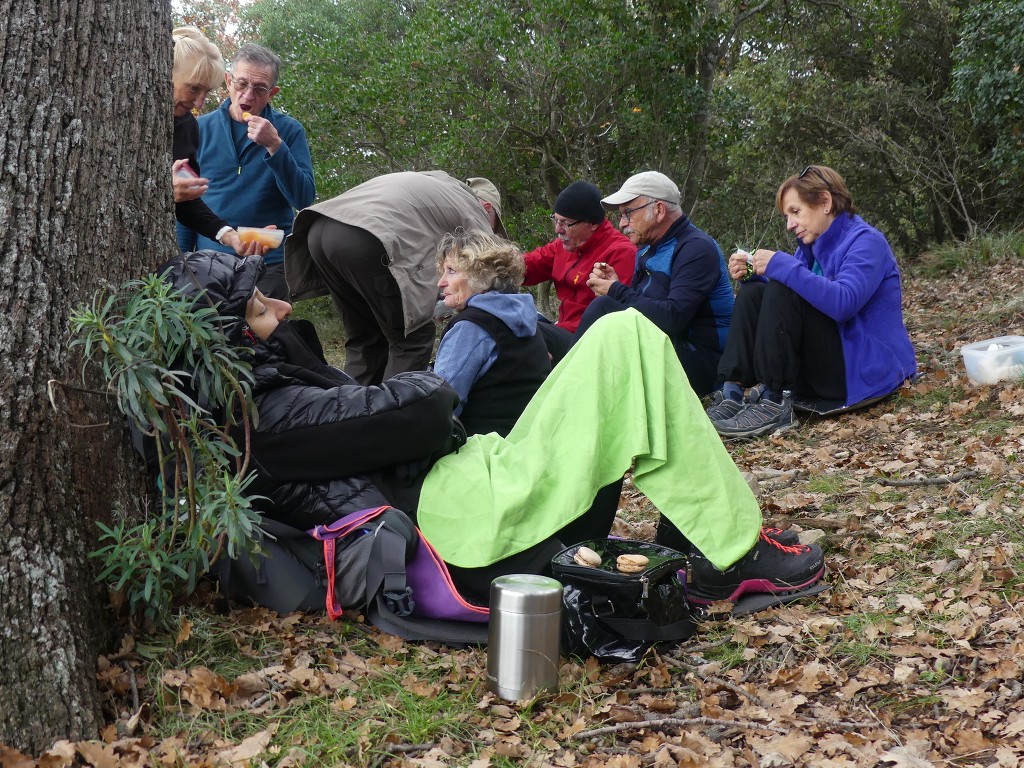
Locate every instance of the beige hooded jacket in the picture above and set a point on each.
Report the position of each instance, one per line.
(408, 212)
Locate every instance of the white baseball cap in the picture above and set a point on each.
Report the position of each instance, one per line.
(646, 184)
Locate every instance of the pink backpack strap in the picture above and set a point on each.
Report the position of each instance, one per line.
(329, 534)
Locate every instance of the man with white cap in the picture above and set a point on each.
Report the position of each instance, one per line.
(373, 249)
(681, 282)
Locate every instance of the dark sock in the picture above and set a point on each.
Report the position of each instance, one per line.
(732, 391)
(772, 394)
(669, 536)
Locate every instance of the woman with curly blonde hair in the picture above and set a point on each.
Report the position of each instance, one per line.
(492, 352)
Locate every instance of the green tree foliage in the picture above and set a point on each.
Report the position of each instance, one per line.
(728, 97)
(178, 379)
(988, 81)
(533, 94)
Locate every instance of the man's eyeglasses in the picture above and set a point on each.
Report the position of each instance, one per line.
(565, 222)
(260, 91)
(627, 213)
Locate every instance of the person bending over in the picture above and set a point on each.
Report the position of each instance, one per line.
(372, 249)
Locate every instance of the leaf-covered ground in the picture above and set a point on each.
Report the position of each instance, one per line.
(914, 657)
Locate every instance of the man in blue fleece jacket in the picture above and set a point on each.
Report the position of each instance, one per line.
(256, 158)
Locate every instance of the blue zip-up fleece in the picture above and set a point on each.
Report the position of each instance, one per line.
(682, 285)
(467, 351)
(249, 187)
(859, 288)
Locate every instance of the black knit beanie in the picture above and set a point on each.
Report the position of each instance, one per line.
(580, 201)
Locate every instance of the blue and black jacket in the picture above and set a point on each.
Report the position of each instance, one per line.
(682, 285)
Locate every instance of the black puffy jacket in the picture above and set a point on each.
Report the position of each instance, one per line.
(325, 445)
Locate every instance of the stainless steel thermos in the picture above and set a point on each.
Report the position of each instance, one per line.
(523, 636)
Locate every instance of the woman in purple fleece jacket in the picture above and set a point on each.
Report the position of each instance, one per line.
(824, 323)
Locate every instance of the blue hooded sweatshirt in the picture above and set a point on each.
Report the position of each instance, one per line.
(467, 351)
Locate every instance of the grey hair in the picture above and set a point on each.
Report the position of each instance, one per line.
(260, 56)
(491, 263)
(674, 208)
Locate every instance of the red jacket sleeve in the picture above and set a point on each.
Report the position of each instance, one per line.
(539, 263)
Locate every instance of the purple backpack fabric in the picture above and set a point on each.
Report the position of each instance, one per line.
(379, 562)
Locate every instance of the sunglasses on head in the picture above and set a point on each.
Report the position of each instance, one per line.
(817, 172)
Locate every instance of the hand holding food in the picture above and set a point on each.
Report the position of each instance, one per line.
(261, 131)
(186, 183)
(601, 278)
(265, 238)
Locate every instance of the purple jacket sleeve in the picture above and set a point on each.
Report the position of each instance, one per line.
(853, 270)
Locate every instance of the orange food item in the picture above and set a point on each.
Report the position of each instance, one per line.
(271, 238)
(246, 115)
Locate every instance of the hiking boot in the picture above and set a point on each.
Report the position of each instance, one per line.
(759, 418)
(781, 535)
(723, 408)
(771, 567)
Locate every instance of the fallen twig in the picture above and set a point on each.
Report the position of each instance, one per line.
(260, 701)
(134, 685)
(401, 749)
(757, 701)
(766, 473)
(947, 480)
(719, 682)
(679, 721)
(695, 648)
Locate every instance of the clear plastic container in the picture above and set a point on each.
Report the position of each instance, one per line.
(268, 237)
(994, 360)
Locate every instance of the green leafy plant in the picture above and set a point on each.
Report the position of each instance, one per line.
(182, 385)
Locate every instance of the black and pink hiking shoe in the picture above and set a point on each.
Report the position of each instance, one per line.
(782, 535)
(772, 567)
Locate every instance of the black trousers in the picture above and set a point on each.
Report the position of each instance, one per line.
(779, 340)
(700, 363)
(558, 340)
(595, 523)
(353, 264)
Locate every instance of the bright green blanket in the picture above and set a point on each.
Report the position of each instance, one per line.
(619, 398)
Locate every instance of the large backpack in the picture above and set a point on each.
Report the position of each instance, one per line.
(374, 561)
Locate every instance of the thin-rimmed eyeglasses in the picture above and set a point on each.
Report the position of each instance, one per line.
(564, 222)
(627, 213)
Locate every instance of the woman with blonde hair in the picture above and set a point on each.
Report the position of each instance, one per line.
(492, 352)
(198, 69)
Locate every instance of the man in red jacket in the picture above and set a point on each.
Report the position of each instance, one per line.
(583, 237)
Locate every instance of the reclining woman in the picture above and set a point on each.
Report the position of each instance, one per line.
(326, 446)
(825, 323)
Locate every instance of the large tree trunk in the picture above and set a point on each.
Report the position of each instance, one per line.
(85, 132)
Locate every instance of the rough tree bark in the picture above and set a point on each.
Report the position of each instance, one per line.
(85, 135)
